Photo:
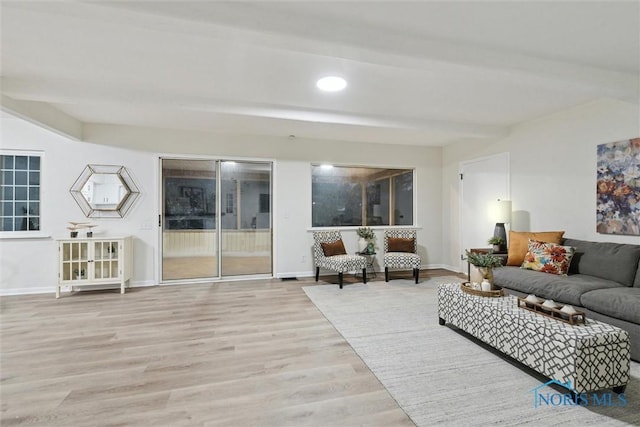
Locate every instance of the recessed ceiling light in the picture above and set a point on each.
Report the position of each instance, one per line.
(331, 84)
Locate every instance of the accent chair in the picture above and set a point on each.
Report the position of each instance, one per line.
(329, 253)
(400, 251)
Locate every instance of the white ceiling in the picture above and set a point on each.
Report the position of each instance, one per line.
(424, 73)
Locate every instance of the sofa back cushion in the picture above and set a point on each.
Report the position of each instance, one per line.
(611, 261)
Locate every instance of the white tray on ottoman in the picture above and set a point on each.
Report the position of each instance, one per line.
(590, 357)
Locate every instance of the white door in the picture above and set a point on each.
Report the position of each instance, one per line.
(483, 181)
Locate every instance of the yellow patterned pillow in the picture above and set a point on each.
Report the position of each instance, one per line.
(548, 257)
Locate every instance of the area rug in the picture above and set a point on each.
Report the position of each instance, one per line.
(439, 375)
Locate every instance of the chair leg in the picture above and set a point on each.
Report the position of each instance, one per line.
(340, 279)
(317, 273)
(364, 275)
(386, 274)
(416, 272)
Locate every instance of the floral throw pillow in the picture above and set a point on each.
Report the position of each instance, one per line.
(548, 257)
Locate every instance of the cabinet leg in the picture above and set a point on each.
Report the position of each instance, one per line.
(122, 288)
(57, 291)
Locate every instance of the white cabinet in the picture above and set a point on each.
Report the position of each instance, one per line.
(94, 261)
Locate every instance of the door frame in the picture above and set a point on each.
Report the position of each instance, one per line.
(461, 171)
(159, 219)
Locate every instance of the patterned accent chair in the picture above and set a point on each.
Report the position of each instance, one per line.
(339, 263)
(401, 259)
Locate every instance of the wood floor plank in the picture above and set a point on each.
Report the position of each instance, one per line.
(221, 354)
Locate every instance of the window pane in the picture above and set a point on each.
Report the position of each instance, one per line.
(336, 203)
(378, 202)
(6, 209)
(34, 193)
(21, 193)
(34, 178)
(21, 178)
(7, 178)
(21, 223)
(34, 163)
(34, 223)
(21, 208)
(7, 193)
(403, 203)
(7, 224)
(34, 208)
(355, 196)
(21, 162)
(7, 163)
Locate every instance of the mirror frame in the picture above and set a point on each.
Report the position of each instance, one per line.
(121, 208)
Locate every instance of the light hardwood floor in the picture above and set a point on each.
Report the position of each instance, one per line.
(225, 354)
(207, 267)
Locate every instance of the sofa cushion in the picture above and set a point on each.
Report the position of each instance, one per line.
(611, 261)
(566, 289)
(519, 243)
(548, 257)
(621, 303)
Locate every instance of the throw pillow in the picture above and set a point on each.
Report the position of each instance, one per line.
(333, 248)
(399, 244)
(519, 243)
(548, 257)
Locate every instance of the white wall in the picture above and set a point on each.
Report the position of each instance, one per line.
(553, 171)
(138, 149)
(29, 265)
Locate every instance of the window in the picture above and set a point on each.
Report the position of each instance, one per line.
(356, 196)
(20, 191)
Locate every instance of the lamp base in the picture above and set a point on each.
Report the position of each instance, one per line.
(501, 232)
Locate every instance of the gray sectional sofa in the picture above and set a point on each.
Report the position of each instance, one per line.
(603, 281)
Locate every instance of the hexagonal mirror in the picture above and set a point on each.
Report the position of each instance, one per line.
(104, 191)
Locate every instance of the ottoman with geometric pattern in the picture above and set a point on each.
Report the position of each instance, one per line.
(590, 357)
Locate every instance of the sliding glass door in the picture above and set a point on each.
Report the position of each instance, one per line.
(245, 218)
(192, 214)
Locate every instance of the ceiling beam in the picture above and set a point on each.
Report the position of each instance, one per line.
(44, 115)
(65, 92)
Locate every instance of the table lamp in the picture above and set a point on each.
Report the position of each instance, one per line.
(502, 216)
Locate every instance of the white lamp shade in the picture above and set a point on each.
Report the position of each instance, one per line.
(503, 211)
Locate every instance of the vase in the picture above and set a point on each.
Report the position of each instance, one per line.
(485, 286)
(487, 273)
(362, 244)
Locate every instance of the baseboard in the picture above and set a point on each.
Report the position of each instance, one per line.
(52, 290)
(28, 291)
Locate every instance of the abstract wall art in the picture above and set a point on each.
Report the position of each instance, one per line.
(618, 188)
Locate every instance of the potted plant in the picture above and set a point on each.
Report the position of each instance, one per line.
(366, 235)
(485, 262)
(497, 242)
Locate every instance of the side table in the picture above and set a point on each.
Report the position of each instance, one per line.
(370, 257)
(502, 255)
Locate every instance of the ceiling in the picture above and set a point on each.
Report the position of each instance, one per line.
(422, 73)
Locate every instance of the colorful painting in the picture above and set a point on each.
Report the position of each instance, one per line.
(618, 188)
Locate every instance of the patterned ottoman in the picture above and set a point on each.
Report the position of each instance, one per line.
(592, 356)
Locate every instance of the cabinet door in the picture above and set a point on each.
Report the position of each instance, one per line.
(106, 259)
(74, 261)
